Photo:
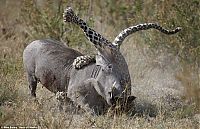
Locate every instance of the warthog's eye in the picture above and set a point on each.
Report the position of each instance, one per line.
(108, 68)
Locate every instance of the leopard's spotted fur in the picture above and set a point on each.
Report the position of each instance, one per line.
(82, 61)
(101, 43)
(126, 32)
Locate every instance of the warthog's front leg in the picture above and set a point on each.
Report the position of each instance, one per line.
(86, 96)
(63, 102)
(61, 98)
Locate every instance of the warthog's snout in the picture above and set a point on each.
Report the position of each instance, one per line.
(115, 93)
(120, 100)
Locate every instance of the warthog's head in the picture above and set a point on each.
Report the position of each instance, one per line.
(113, 78)
(111, 68)
(108, 80)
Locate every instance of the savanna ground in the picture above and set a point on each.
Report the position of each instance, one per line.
(164, 69)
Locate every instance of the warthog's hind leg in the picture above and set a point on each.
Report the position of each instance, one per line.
(63, 102)
(32, 84)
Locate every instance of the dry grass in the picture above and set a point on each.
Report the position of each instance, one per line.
(30, 114)
(166, 85)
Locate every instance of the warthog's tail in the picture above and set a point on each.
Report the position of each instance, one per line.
(126, 32)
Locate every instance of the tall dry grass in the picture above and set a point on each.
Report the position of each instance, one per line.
(153, 59)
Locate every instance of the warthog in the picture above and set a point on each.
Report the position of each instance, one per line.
(50, 63)
(95, 86)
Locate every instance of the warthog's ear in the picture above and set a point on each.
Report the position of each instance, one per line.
(101, 60)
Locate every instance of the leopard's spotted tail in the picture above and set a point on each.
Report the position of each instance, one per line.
(97, 39)
(120, 38)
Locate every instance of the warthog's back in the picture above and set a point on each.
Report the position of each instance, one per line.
(47, 60)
